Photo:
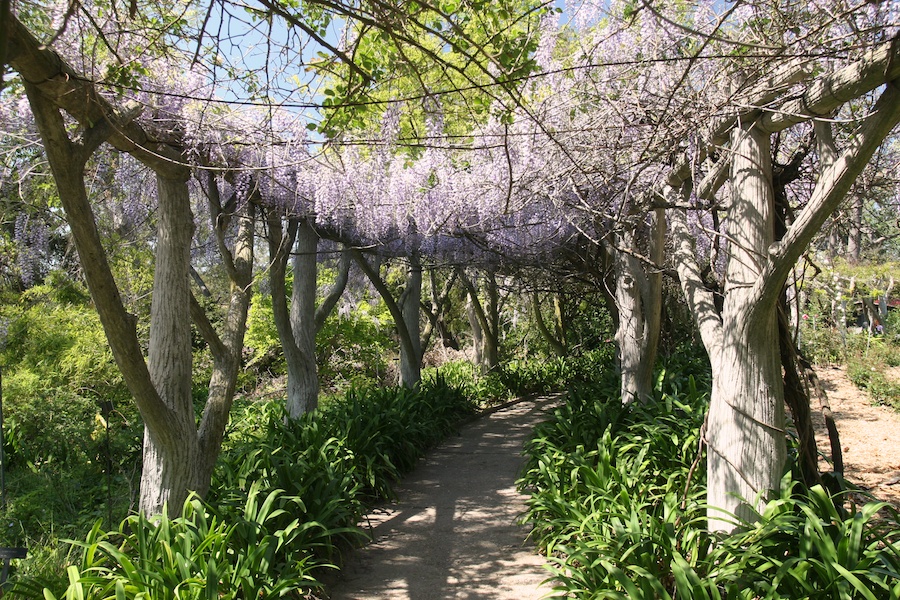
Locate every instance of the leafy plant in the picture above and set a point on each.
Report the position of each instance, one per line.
(196, 556)
(617, 503)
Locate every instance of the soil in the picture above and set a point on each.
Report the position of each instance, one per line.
(869, 434)
(453, 533)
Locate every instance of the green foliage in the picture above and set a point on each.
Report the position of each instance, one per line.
(72, 436)
(482, 388)
(415, 49)
(369, 438)
(541, 376)
(806, 545)
(869, 358)
(822, 344)
(870, 377)
(196, 556)
(351, 349)
(520, 377)
(354, 349)
(892, 325)
(262, 336)
(618, 505)
(287, 495)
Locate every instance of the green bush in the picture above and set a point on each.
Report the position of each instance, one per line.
(823, 345)
(352, 349)
(541, 376)
(618, 504)
(72, 436)
(195, 556)
(287, 495)
(807, 545)
(870, 377)
(482, 388)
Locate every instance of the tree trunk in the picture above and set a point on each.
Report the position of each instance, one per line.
(555, 344)
(796, 397)
(171, 468)
(303, 375)
(855, 234)
(297, 327)
(745, 431)
(407, 345)
(410, 307)
(162, 390)
(227, 349)
(560, 322)
(440, 305)
(639, 304)
(487, 350)
(300, 363)
(477, 334)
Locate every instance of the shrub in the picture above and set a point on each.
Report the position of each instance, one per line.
(195, 556)
(482, 388)
(287, 495)
(618, 504)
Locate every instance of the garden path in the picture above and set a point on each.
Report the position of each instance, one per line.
(869, 434)
(452, 533)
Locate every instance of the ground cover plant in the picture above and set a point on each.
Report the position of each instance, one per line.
(617, 502)
(288, 495)
(868, 356)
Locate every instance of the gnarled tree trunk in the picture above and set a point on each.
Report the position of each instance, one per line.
(745, 431)
(170, 469)
(408, 346)
(485, 320)
(638, 298)
(298, 325)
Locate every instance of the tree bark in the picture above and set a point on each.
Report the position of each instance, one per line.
(298, 325)
(639, 304)
(410, 306)
(745, 432)
(487, 318)
(440, 302)
(555, 344)
(403, 333)
(796, 397)
(162, 389)
(477, 334)
(855, 232)
(302, 380)
(171, 470)
(303, 376)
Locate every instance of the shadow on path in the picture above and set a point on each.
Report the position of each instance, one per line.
(453, 533)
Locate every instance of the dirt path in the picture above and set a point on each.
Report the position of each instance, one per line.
(453, 532)
(870, 435)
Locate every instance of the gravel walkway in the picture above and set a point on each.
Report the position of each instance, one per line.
(453, 533)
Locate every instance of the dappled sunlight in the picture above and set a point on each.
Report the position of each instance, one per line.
(453, 532)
